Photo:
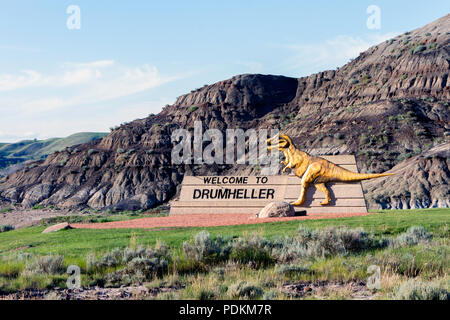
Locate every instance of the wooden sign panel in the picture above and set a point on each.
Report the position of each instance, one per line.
(249, 194)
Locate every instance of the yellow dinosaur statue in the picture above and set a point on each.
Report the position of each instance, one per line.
(314, 170)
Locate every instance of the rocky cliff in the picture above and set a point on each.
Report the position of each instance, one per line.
(389, 106)
(419, 182)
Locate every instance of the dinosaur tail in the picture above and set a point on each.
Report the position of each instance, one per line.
(349, 176)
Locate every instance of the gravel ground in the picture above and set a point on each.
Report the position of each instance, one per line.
(94, 293)
(318, 290)
(321, 289)
(202, 220)
(25, 218)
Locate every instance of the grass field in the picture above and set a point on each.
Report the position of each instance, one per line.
(427, 260)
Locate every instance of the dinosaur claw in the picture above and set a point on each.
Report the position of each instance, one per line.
(324, 203)
(296, 203)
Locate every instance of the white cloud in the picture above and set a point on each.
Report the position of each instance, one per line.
(332, 53)
(74, 77)
(17, 136)
(24, 79)
(94, 64)
(88, 96)
(77, 84)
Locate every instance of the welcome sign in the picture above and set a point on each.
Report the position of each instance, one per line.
(249, 194)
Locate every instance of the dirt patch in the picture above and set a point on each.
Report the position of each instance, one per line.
(26, 218)
(324, 289)
(94, 293)
(319, 290)
(203, 220)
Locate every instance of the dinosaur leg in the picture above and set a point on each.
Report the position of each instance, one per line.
(310, 175)
(302, 197)
(322, 187)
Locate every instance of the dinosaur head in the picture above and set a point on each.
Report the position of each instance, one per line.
(281, 142)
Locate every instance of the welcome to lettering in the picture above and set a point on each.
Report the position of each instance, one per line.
(225, 180)
(233, 180)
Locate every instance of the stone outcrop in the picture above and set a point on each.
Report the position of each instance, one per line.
(57, 227)
(276, 209)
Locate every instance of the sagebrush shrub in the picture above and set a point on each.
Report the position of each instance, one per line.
(206, 249)
(138, 270)
(412, 236)
(270, 295)
(148, 267)
(290, 249)
(305, 235)
(253, 250)
(244, 290)
(45, 264)
(142, 264)
(418, 290)
(308, 243)
(117, 257)
(354, 239)
(205, 294)
(6, 228)
(327, 243)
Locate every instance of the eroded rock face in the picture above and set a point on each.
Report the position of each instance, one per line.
(277, 209)
(390, 103)
(244, 90)
(420, 182)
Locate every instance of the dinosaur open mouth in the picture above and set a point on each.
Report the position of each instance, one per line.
(277, 141)
(271, 143)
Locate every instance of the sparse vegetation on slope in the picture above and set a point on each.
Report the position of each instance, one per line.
(14, 153)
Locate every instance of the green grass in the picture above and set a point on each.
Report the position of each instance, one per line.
(79, 242)
(427, 261)
(5, 210)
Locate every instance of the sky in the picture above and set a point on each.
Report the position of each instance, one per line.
(75, 66)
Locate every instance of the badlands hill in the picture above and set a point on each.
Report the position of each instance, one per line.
(13, 155)
(389, 106)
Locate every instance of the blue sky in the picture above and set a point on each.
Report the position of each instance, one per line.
(130, 58)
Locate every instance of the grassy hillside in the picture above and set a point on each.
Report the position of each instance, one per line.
(12, 153)
(250, 269)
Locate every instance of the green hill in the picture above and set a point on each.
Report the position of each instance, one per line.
(13, 153)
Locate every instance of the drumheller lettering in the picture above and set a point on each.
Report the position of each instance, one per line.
(236, 193)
